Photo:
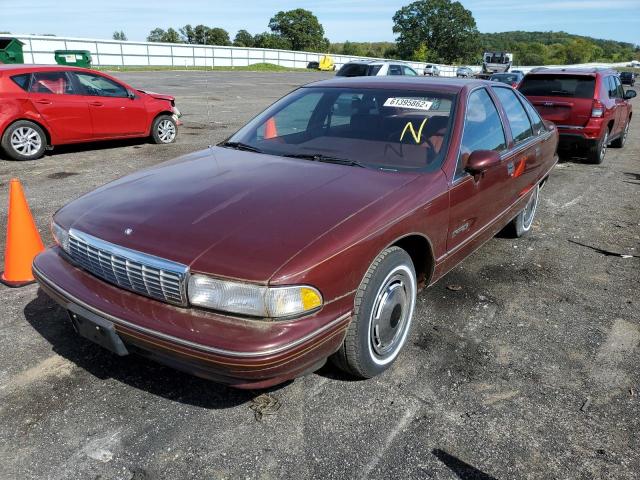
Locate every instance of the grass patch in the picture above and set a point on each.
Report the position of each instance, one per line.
(256, 67)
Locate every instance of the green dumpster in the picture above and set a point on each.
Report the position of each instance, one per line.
(11, 50)
(76, 58)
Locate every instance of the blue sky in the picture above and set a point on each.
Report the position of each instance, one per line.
(356, 20)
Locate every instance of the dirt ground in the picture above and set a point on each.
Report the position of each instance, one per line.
(529, 370)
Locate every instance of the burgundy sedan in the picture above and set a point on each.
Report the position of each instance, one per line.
(44, 106)
(304, 236)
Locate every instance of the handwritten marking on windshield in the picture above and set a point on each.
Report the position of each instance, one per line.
(409, 127)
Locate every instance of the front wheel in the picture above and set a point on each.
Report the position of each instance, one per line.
(383, 310)
(164, 129)
(521, 225)
(24, 140)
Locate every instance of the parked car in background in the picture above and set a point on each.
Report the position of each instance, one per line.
(391, 182)
(511, 78)
(464, 72)
(374, 68)
(45, 106)
(589, 107)
(431, 70)
(628, 78)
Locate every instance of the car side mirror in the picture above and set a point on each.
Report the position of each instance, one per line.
(629, 94)
(131, 95)
(482, 160)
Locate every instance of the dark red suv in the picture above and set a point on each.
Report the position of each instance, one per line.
(589, 107)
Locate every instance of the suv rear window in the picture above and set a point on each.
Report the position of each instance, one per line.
(358, 70)
(22, 80)
(575, 86)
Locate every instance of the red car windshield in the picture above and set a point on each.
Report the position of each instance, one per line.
(374, 128)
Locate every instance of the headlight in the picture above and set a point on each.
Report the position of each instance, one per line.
(252, 300)
(60, 235)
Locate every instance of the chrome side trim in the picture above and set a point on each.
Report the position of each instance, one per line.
(186, 343)
(570, 127)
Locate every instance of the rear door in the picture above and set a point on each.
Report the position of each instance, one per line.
(113, 113)
(64, 111)
(622, 106)
(563, 99)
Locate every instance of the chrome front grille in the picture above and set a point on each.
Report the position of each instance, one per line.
(136, 271)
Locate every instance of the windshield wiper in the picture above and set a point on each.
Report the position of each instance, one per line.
(241, 146)
(318, 157)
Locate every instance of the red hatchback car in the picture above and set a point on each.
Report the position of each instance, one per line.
(307, 234)
(589, 107)
(44, 106)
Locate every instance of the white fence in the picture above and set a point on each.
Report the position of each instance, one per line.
(39, 50)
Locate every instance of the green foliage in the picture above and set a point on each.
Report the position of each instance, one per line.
(271, 40)
(301, 29)
(160, 35)
(203, 35)
(557, 48)
(446, 28)
(243, 39)
(119, 35)
(367, 49)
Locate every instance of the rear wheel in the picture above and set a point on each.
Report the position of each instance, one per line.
(622, 139)
(383, 311)
(164, 129)
(24, 140)
(521, 225)
(598, 151)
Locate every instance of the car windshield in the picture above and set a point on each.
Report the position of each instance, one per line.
(358, 70)
(505, 78)
(373, 128)
(576, 86)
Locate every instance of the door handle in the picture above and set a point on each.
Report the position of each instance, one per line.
(96, 104)
(43, 101)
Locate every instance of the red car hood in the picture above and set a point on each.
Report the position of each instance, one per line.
(228, 213)
(159, 96)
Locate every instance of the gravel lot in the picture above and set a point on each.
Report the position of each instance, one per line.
(529, 370)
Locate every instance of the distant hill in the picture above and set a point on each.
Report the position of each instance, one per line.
(529, 48)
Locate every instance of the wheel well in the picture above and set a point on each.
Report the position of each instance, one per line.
(44, 129)
(419, 249)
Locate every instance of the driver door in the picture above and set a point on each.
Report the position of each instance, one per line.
(476, 200)
(113, 113)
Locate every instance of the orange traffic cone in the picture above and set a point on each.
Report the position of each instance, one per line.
(270, 129)
(23, 240)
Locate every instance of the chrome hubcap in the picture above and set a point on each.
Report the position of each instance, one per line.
(166, 131)
(530, 210)
(26, 141)
(391, 315)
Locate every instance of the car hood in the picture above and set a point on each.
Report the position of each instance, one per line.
(229, 213)
(159, 96)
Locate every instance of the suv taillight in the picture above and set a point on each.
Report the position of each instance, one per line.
(597, 110)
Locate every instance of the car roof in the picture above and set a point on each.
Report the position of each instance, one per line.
(571, 71)
(37, 68)
(445, 85)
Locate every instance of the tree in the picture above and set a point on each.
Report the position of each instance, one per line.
(218, 36)
(119, 35)
(300, 28)
(353, 49)
(171, 36)
(446, 28)
(243, 39)
(156, 35)
(201, 34)
(187, 34)
(271, 40)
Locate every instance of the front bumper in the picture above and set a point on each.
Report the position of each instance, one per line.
(242, 353)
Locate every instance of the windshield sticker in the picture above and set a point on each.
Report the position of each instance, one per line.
(409, 127)
(414, 103)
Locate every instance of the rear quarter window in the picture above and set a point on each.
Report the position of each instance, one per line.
(22, 80)
(572, 86)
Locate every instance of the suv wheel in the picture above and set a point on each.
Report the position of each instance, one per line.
(598, 151)
(622, 139)
(24, 140)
